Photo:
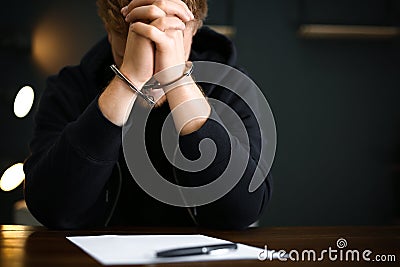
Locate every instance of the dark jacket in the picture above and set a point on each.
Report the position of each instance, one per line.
(77, 167)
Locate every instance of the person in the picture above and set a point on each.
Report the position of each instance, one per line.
(77, 175)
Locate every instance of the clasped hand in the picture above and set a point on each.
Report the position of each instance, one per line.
(159, 37)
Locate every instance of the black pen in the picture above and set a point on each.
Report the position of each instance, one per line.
(200, 250)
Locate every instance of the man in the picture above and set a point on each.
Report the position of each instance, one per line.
(77, 175)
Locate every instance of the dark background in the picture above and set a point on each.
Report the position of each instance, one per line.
(335, 101)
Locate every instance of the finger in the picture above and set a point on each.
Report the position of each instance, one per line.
(175, 7)
(145, 14)
(156, 10)
(134, 4)
(181, 3)
(168, 23)
(171, 7)
(137, 3)
(148, 31)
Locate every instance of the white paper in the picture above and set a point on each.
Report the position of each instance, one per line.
(141, 249)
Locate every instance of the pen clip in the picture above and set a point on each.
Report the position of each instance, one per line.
(216, 249)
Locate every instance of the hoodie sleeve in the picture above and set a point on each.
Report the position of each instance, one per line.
(237, 158)
(68, 169)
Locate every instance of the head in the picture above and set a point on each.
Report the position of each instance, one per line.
(117, 29)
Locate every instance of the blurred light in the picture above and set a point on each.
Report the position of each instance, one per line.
(23, 101)
(12, 177)
(51, 42)
(46, 45)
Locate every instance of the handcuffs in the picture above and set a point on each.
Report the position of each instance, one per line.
(152, 83)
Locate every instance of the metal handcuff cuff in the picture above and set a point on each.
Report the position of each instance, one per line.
(152, 83)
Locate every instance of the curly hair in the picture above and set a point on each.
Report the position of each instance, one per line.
(110, 14)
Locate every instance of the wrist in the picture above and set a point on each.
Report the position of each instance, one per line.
(174, 77)
(115, 101)
(137, 80)
(132, 86)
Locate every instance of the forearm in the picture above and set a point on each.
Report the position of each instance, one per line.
(63, 188)
(238, 209)
(235, 163)
(65, 181)
(190, 109)
(116, 101)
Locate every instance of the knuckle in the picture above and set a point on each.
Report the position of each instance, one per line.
(162, 4)
(132, 27)
(161, 21)
(151, 31)
(154, 11)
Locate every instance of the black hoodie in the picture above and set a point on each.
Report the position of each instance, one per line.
(76, 176)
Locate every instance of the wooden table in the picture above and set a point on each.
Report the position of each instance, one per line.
(35, 246)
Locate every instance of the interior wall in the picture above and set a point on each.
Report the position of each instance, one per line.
(335, 101)
(336, 109)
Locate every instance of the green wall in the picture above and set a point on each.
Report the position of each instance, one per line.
(336, 107)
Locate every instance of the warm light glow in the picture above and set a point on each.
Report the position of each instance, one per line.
(46, 46)
(53, 43)
(23, 101)
(12, 177)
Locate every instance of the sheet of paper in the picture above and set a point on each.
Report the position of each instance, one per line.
(141, 249)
